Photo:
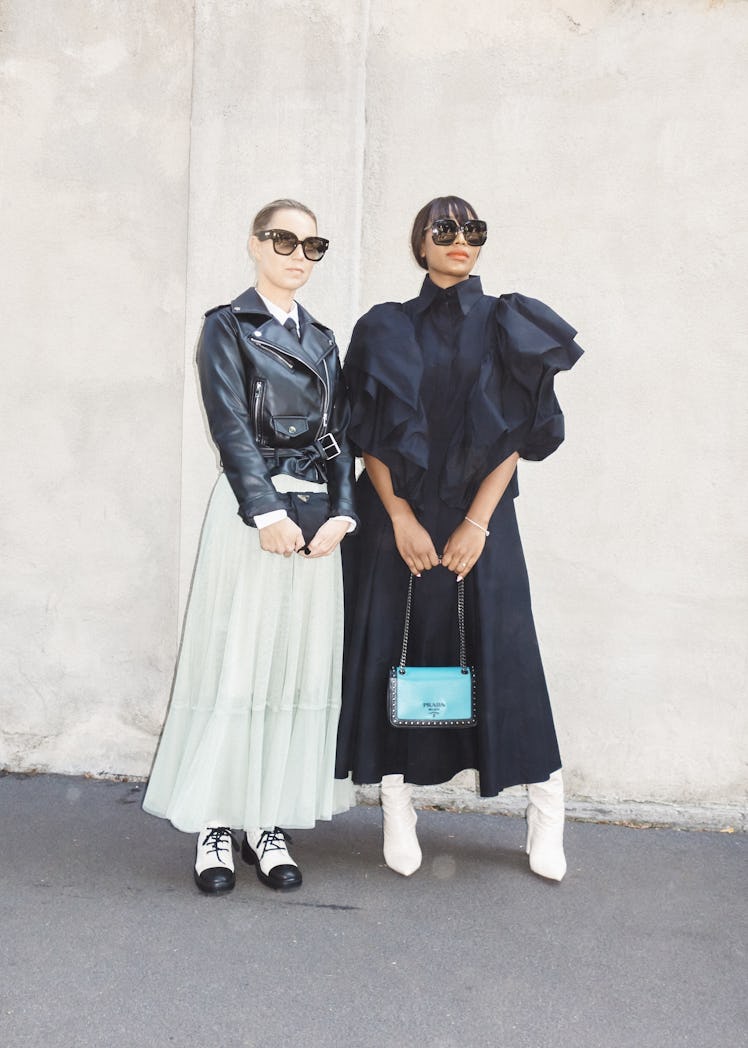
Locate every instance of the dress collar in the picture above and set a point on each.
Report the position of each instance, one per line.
(467, 292)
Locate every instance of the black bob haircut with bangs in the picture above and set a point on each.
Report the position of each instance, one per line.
(440, 207)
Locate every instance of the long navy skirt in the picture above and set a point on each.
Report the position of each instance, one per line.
(514, 740)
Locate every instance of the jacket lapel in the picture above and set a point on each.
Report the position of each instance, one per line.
(254, 319)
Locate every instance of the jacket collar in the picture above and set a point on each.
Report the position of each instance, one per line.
(316, 340)
(249, 302)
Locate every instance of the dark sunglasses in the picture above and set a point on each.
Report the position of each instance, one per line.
(285, 243)
(444, 231)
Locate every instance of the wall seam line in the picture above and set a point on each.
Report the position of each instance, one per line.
(187, 246)
(362, 155)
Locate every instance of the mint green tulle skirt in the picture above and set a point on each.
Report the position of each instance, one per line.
(249, 738)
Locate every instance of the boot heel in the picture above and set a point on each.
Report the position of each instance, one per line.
(530, 816)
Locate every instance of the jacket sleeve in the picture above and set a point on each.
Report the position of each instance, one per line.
(224, 392)
(340, 470)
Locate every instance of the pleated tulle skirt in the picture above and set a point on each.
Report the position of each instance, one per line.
(249, 738)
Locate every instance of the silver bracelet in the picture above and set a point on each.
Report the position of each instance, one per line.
(475, 524)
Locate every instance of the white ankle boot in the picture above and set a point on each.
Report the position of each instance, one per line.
(402, 852)
(545, 827)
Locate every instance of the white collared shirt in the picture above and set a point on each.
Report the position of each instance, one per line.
(280, 314)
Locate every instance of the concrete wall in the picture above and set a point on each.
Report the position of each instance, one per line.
(95, 148)
(599, 141)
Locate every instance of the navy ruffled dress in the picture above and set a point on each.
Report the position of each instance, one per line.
(443, 388)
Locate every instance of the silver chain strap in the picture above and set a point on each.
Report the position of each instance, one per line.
(460, 624)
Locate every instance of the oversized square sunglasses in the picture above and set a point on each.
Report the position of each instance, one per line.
(444, 231)
(285, 243)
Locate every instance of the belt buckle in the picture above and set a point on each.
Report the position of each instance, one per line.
(332, 448)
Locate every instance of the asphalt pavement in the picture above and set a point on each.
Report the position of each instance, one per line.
(107, 943)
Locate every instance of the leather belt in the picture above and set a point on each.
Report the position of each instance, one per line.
(321, 450)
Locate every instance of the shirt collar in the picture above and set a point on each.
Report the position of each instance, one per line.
(252, 302)
(280, 314)
(467, 292)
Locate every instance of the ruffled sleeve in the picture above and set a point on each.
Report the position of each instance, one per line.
(383, 371)
(513, 406)
(535, 344)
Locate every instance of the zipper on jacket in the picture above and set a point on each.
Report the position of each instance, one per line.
(257, 409)
(326, 403)
(273, 351)
(278, 353)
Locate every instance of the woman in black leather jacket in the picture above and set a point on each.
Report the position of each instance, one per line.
(249, 741)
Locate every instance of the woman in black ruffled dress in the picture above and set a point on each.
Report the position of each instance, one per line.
(448, 391)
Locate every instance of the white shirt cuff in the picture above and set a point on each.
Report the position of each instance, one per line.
(263, 519)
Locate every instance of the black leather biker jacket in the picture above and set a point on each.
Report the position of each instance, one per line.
(275, 404)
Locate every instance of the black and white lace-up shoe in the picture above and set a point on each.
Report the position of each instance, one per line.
(214, 861)
(266, 850)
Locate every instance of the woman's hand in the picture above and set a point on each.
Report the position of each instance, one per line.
(412, 540)
(328, 538)
(463, 549)
(282, 537)
(414, 544)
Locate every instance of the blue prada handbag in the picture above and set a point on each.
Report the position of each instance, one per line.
(432, 696)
